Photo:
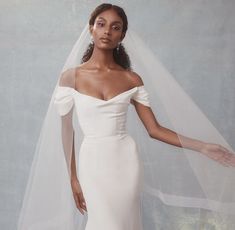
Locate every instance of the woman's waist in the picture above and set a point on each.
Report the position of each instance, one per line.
(107, 137)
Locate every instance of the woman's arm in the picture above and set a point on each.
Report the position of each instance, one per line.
(67, 132)
(156, 131)
(67, 138)
(73, 164)
(69, 151)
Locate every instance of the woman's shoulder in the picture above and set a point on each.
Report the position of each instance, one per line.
(135, 78)
(82, 67)
(68, 77)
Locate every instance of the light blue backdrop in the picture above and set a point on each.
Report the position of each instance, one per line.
(193, 39)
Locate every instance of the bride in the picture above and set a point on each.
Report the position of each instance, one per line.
(113, 177)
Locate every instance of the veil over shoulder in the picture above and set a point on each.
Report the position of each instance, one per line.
(176, 180)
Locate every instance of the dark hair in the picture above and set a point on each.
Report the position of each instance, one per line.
(120, 56)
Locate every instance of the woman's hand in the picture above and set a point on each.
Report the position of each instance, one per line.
(219, 153)
(78, 195)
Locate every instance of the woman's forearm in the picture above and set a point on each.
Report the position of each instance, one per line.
(73, 164)
(68, 146)
(170, 137)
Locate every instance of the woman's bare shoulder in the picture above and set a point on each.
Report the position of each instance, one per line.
(72, 73)
(82, 67)
(67, 77)
(135, 78)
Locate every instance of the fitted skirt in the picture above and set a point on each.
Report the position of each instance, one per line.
(111, 176)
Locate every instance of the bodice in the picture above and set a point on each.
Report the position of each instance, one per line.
(98, 117)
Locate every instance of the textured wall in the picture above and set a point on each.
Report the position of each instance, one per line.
(193, 39)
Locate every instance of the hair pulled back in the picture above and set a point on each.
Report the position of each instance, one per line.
(120, 55)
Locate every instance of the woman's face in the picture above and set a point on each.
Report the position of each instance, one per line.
(107, 30)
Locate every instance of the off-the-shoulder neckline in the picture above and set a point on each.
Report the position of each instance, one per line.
(99, 99)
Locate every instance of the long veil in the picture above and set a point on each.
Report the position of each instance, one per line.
(180, 185)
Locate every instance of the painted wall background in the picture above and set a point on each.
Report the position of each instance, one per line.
(193, 39)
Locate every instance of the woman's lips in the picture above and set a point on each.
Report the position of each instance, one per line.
(105, 40)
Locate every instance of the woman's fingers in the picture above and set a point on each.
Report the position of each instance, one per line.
(227, 157)
(224, 162)
(220, 154)
(224, 159)
(223, 148)
(78, 203)
(232, 160)
(82, 201)
(78, 196)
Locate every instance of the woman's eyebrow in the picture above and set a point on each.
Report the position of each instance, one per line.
(105, 20)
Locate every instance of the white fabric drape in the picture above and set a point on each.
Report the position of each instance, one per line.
(174, 178)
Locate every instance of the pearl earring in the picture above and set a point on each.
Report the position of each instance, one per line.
(92, 40)
(118, 47)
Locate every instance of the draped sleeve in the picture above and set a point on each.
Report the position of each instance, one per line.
(64, 103)
(64, 99)
(141, 96)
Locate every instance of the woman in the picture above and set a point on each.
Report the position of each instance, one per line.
(107, 179)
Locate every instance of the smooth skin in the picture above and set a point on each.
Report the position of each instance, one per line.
(102, 78)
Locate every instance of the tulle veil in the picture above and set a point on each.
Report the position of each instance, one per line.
(176, 180)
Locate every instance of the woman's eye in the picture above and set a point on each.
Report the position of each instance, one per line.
(116, 27)
(100, 23)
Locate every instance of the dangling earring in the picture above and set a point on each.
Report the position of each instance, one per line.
(118, 47)
(92, 40)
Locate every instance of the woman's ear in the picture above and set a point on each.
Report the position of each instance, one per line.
(91, 29)
(122, 36)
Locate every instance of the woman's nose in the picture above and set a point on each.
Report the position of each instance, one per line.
(107, 31)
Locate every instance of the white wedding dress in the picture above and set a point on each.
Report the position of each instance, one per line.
(109, 167)
(178, 184)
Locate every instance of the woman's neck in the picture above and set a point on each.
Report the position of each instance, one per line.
(102, 59)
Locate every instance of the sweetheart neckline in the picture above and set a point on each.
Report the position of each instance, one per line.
(98, 99)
